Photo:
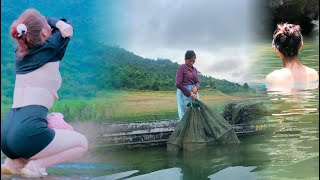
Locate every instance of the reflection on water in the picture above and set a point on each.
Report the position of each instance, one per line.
(292, 90)
(288, 150)
(172, 173)
(236, 172)
(116, 176)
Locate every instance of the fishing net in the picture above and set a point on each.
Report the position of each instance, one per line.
(244, 112)
(199, 127)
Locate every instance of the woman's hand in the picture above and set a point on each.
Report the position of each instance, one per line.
(195, 89)
(193, 95)
(65, 29)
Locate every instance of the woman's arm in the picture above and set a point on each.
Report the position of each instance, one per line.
(179, 78)
(198, 84)
(52, 21)
(61, 33)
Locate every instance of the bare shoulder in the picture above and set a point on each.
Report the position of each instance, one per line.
(312, 74)
(278, 76)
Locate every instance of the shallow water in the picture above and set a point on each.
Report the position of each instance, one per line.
(288, 150)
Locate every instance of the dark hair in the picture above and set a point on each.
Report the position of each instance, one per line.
(189, 54)
(287, 39)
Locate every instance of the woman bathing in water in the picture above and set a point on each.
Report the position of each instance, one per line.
(26, 140)
(287, 42)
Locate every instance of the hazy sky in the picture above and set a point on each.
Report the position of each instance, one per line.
(218, 31)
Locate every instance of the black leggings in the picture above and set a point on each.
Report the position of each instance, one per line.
(25, 132)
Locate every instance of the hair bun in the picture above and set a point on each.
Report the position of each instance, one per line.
(289, 29)
(287, 39)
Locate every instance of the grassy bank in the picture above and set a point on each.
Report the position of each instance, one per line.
(130, 106)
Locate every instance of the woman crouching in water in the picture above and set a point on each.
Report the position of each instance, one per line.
(26, 140)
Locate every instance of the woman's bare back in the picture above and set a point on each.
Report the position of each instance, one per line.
(285, 79)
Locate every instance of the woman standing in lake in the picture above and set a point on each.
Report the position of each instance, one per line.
(187, 82)
(287, 42)
(26, 140)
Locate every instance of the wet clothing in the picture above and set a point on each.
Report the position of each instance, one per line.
(24, 131)
(186, 76)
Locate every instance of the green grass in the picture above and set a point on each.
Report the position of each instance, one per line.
(128, 106)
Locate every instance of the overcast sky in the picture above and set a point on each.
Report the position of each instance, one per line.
(218, 31)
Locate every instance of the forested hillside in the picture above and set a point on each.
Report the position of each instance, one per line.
(124, 70)
(88, 66)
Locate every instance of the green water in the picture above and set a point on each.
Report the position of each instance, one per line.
(288, 150)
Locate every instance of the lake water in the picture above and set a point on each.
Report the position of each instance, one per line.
(288, 150)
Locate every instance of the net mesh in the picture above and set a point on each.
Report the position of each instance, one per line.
(244, 112)
(199, 127)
